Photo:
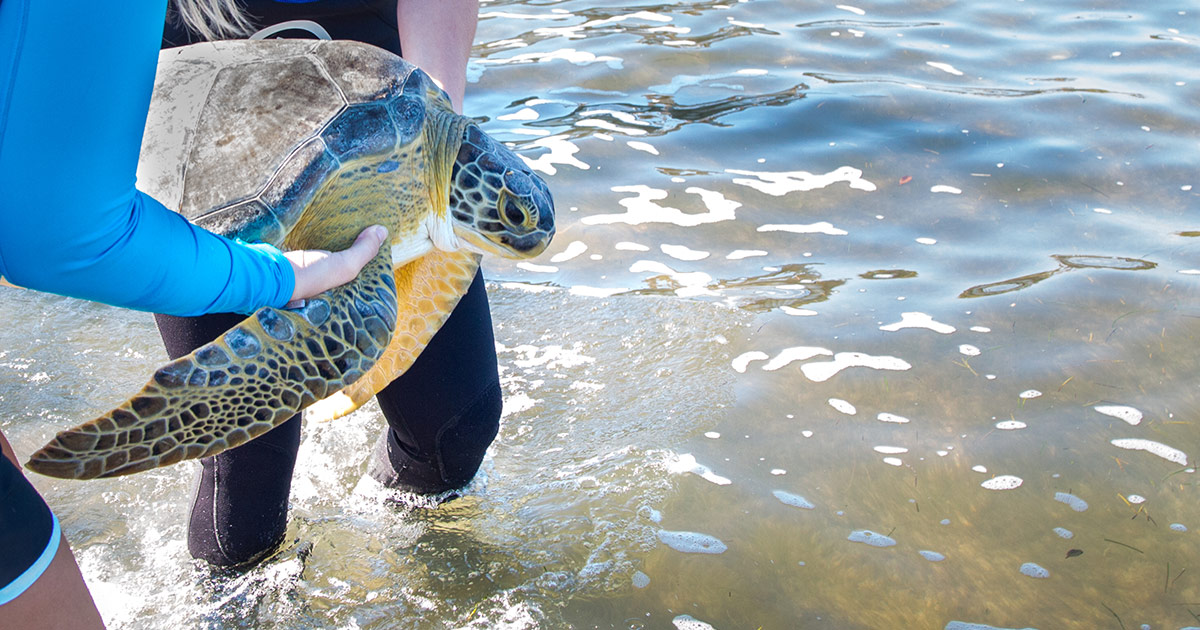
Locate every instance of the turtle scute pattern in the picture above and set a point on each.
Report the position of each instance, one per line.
(256, 376)
(431, 287)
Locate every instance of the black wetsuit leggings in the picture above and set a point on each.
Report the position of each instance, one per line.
(442, 414)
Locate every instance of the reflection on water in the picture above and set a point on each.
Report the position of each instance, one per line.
(746, 386)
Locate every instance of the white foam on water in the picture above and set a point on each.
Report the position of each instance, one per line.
(891, 450)
(1190, 272)
(517, 403)
(931, 556)
(981, 329)
(781, 183)
(893, 461)
(640, 580)
(806, 433)
(869, 537)
(794, 500)
(688, 622)
(686, 463)
(944, 67)
(650, 514)
(918, 320)
(842, 406)
(1101, 210)
(642, 146)
(691, 542)
(823, 371)
(1034, 571)
(1064, 533)
(891, 417)
(1135, 499)
(967, 349)
(742, 361)
(528, 288)
(797, 353)
(821, 227)
(739, 254)
(1077, 504)
(1003, 482)
(627, 246)
(691, 282)
(1030, 394)
(561, 151)
(525, 113)
(1128, 414)
(712, 435)
(797, 312)
(573, 249)
(979, 469)
(570, 55)
(1010, 425)
(643, 208)
(1168, 453)
(535, 268)
(1178, 527)
(925, 240)
(680, 252)
(778, 471)
(942, 188)
(586, 291)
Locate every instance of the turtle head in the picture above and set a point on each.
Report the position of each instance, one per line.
(499, 206)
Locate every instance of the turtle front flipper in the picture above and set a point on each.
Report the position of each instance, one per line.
(428, 289)
(251, 379)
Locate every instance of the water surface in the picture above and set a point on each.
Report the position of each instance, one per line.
(879, 315)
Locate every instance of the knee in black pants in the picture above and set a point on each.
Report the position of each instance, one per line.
(443, 412)
(441, 459)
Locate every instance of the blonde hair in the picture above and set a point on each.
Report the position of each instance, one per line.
(213, 19)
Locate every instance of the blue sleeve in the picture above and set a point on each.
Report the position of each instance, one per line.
(75, 84)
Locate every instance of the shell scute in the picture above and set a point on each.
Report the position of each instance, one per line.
(245, 130)
(357, 69)
(363, 129)
(408, 117)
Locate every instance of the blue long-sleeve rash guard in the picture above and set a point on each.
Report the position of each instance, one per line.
(75, 84)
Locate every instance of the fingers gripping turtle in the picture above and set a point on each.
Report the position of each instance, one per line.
(254, 377)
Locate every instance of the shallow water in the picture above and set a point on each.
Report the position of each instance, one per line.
(858, 316)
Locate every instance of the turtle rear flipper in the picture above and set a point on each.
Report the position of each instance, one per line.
(429, 288)
(251, 379)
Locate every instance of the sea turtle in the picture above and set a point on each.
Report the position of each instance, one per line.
(302, 144)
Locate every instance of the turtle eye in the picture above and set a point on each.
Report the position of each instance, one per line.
(513, 213)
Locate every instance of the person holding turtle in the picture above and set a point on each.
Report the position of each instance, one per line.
(444, 412)
(71, 222)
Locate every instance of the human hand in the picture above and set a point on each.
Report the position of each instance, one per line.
(318, 270)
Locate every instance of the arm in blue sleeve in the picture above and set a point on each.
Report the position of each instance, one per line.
(75, 84)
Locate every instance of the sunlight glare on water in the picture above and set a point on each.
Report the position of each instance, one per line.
(879, 315)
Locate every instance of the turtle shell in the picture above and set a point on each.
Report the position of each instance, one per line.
(259, 125)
